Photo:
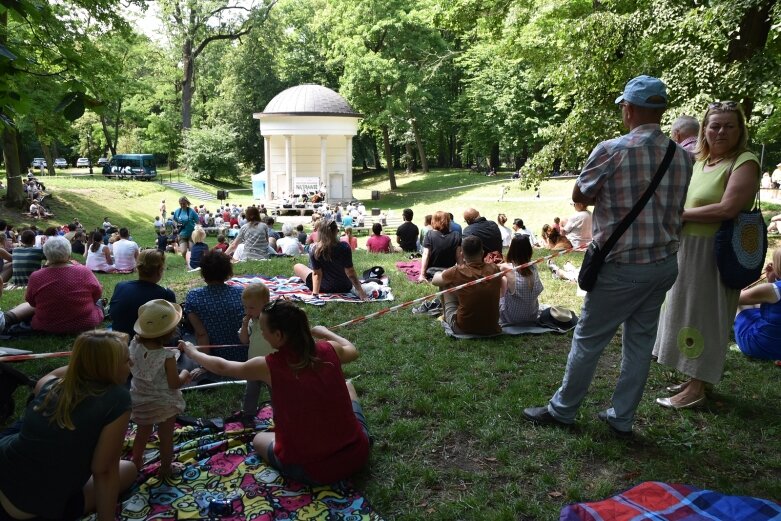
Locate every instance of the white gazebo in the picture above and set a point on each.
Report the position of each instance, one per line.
(308, 138)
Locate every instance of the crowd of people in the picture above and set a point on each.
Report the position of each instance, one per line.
(80, 413)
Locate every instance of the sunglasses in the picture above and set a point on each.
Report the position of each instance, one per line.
(273, 304)
(723, 105)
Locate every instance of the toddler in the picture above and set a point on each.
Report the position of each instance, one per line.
(254, 297)
(154, 389)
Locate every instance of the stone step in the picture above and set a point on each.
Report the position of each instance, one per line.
(190, 190)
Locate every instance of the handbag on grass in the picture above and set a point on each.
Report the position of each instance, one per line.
(595, 256)
(740, 246)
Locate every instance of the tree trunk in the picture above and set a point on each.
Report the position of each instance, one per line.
(493, 160)
(47, 154)
(375, 153)
(409, 157)
(112, 146)
(14, 197)
(117, 120)
(388, 156)
(187, 83)
(421, 148)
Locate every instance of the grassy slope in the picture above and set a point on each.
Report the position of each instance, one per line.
(446, 414)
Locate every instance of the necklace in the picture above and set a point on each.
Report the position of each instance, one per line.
(710, 162)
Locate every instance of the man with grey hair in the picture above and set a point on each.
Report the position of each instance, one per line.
(684, 132)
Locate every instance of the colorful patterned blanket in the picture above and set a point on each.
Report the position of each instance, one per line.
(222, 469)
(294, 288)
(658, 501)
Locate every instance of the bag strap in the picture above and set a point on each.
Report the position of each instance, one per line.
(638, 207)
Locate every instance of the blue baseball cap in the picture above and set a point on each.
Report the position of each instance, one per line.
(640, 89)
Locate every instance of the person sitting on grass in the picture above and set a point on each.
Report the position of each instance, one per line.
(99, 255)
(519, 303)
(25, 259)
(320, 434)
(221, 245)
(332, 268)
(349, 238)
(125, 252)
(61, 285)
(197, 247)
(475, 309)
(74, 428)
(288, 244)
(129, 295)
(758, 322)
(215, 311)
(407, 233)
(77, 244)
(155, 387)
(379, 243)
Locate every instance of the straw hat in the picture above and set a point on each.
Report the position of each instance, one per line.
(558, 317)
(157, 318)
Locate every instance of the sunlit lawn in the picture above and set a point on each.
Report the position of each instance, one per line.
(446, 414)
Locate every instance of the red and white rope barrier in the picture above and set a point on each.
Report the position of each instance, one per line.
(65, 354)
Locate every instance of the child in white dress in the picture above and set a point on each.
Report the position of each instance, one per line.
(254, 297)
(154, 389)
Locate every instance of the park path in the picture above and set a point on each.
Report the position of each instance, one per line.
(190, 190)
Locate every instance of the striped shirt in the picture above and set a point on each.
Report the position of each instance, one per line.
(25, 261)
(616, 175)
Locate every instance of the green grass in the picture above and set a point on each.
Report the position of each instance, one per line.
(446, 415)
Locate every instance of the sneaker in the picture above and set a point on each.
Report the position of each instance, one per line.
(427, 307)
(435, 309)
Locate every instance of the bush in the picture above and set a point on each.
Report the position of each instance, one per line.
(210, 152)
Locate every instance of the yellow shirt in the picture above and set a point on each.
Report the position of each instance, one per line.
(708, 188)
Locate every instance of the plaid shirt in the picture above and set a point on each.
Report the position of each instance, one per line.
(616, 175)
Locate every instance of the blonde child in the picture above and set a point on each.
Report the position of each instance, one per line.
(254, 297)
(154, 389)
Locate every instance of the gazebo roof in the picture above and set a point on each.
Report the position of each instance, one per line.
(309, 100)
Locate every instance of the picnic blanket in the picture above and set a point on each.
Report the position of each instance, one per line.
(294, 288)
(513, 330)
(410, 268)
(221, 467)
(659, 501)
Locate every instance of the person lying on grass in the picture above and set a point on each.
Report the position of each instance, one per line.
(320, 434)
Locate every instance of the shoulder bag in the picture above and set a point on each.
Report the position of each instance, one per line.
(740, 246)
(595, 256)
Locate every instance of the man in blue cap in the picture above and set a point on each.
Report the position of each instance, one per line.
(639, 269)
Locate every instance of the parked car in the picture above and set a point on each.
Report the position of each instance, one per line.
(60, 162)
(103, 161)
(131, 166)
(38, 162)
(82, 161)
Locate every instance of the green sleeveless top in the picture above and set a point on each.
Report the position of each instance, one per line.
(708, 188)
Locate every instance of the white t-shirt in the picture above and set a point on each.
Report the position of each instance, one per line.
(578, 228)
(289, 246)
(125, 252)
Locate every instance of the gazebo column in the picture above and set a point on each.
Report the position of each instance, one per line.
(348, 178)
(324, 162)
(267, 164)
(289, 163)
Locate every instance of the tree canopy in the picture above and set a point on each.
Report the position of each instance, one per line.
(524, 84)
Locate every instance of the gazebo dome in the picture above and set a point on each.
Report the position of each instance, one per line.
(309, 100)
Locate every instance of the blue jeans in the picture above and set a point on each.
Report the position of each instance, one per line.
(628, 294)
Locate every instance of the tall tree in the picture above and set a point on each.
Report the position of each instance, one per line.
(195, 25)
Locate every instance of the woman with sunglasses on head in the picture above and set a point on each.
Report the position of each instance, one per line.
(697, 316)
(320, 434)
(331, 262)
(64, 461)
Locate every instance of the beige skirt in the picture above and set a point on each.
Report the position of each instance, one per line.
(697, 314)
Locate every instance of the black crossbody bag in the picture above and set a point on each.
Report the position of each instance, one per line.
(595, 256)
